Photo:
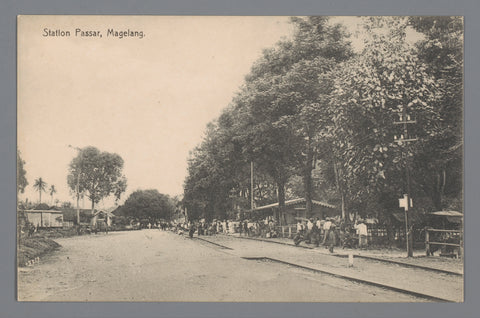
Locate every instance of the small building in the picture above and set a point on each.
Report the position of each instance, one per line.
(102, 217)
(295, 209)
(44, 218)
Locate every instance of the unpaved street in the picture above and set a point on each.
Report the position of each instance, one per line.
(152, 265)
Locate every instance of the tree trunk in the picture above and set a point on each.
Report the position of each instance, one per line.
(307, 179)
(281, 195)
(437, 192)
(339, 187)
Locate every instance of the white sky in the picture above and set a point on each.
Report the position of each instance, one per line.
(148, 100)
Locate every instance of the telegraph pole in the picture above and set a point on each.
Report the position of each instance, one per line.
(406, 202)
(78, 185)
(251, 185)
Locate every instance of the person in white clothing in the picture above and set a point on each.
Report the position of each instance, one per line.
(299, 227)
(362, 233)
(309, 231)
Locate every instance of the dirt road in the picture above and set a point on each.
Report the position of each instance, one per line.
(152, 265)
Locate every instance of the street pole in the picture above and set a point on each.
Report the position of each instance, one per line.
(78, 197)
(405, 120)
(78, 185)
(251, 185)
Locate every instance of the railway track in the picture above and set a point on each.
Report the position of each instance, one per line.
(213, 243)
(371, 258)
(332, 273)
(354, 279)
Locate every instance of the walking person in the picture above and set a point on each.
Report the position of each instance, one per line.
(362, 233)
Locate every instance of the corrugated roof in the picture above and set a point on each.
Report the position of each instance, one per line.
(295, 201)
(38, 211)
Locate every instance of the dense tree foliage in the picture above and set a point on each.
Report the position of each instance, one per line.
(21, 174)
(371, 92)
(148, 204)
(319, 122)
(98, 174)
(440, 159)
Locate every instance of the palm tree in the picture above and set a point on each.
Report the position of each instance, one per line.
(52, 191)
(40, 186)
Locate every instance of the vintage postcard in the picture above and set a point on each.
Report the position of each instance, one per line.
(240, 159)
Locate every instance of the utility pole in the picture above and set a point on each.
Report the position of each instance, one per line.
(251, 186)
(77, 186)
(407, 201)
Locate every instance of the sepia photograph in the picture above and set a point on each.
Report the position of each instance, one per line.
(240, 158)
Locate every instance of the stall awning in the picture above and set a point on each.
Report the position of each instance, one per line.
(447, 213)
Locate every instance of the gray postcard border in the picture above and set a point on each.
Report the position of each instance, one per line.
(9, 9)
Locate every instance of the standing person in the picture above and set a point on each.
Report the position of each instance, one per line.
(245, 227)
(318, 223)
(332, 237)
(309, 231)
(199, 229)
(299, 226)
(315, 236)
(362, 233)
(106, 224)
(326, 230)
(191, 229)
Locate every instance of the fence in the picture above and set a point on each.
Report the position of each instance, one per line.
(449, 245)
(286, 231)
(377, 234)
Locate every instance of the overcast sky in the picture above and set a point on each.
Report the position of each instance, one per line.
(148, 99)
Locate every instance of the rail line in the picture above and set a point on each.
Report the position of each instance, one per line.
(371, 258)
(354, 279)
(213, 243)
(340, 276)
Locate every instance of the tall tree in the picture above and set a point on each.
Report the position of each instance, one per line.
(370, 93)
(289, 89)
(52, 190)
(21, 174)
(98, 174)
(40, 186)
(440, 159)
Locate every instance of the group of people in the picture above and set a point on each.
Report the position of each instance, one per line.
(250, 228)
(332, 232)
(329, 232)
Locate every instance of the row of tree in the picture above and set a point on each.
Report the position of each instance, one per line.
(317, 120)
(97, 174)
